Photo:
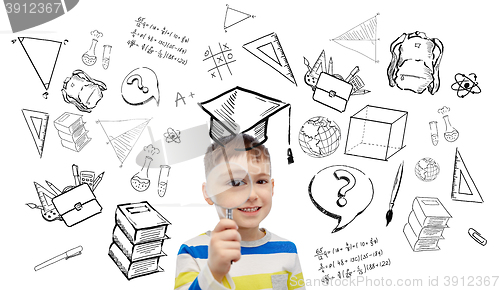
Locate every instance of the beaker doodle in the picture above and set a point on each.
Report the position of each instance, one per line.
(163, 180)
(434, 132)
(140, 181)
(89, 57)
(105, 56)
(451, 134)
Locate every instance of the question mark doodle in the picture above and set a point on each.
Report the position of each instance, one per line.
(351, 182)
(65, 41)
(137, 77)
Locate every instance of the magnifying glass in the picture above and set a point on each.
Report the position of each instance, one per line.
(229, 186)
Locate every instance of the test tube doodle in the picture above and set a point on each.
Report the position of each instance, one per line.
(434, 132)
(163, 180)
(105, 56)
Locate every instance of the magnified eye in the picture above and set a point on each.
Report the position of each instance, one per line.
(236, 182)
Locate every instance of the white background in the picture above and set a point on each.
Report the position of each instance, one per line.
(467, 30)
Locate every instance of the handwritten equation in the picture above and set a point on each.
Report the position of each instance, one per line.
(351, 259)
(162, 42)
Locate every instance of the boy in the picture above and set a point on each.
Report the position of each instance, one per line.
(238, 254)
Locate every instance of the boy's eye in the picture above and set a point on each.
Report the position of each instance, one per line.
(236, 182)
(262, 181)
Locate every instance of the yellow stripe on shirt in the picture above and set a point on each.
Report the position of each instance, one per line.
(184, 278)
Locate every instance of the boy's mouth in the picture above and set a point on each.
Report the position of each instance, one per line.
(250, 209)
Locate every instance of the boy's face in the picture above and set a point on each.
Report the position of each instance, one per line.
(258, 205)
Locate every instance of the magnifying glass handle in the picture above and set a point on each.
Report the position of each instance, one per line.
(229, 213)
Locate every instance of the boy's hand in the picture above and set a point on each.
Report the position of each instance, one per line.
(224, 247)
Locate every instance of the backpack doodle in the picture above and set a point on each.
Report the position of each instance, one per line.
(415, 63)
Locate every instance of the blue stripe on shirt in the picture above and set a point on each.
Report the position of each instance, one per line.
(195, 285)
(273, 247)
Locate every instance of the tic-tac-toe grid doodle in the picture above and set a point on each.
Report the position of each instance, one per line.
(219, 59)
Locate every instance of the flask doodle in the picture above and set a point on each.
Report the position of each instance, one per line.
(342, 201)
(140, 86)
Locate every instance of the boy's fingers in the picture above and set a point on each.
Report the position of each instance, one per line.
(229, 235)
(225, 224)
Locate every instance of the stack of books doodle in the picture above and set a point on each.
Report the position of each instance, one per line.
(71, 130)
(138, 238)
(426, 224)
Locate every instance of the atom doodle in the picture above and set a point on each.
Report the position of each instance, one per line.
(465, 85)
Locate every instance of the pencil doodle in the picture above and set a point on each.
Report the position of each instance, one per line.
(434, 132)
(394, 193)
(362, 38)
(319, 137)
(37, 124)
(123, 134)
(351, 199)
(140, 86)
(476, 236)
(163, 180)
(331, 89)
(234, 16)
(415, 63)
(138, 238)
(43, 55)
(269, 50)
(426, 224)
(465, 85)
(376, 132)
(220, 59)
(82, 91)
(71, 130)
(463, 186)
(451, 134)
(426, 169)
(239, 110)
(64, 256)
(106, 52)
(172, 136)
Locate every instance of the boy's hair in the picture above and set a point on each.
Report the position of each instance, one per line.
(234, 147)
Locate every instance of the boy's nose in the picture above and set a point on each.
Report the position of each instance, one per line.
(253, 194)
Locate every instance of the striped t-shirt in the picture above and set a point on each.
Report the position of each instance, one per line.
(268, 263)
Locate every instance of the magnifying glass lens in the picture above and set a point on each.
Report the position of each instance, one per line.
(229, 185)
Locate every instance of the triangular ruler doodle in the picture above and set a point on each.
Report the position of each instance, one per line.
(234, 16)
(268, 49)
(464, 188)
(362, 38)
(123, 134)
(37, 123)
(43, 54)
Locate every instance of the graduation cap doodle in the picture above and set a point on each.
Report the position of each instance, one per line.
(239, 110)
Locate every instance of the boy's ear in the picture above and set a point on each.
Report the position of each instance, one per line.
(272, 190)
(205, 195)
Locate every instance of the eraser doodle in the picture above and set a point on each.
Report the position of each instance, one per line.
(332, 196)
(140, 86)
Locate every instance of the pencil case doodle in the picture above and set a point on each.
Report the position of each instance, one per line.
(415, 63)
(82, 91)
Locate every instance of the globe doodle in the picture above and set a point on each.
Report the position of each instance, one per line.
(426, 169)
(319, 137)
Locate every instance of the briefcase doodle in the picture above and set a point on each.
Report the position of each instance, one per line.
(332, 92)
(77, 204)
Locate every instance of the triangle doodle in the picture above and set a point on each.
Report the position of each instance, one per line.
(234, 16)
(123, 134)
(362, 38)
(463, 188)
(273, 54)
(43, 55)
(37, 123)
